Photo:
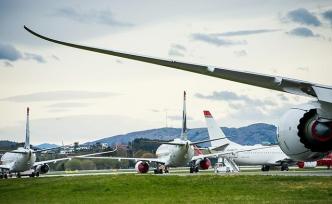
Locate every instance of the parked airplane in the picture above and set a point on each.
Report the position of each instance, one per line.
(23, 159)
(305, 131)
(267, 157)
(178, 152)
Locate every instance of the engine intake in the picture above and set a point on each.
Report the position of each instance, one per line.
(43, 169)
(314, 134)
(205, 163)
(142, 167)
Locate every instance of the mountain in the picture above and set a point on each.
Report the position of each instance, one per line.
(249, 135)
(46, 146)
(5, 144)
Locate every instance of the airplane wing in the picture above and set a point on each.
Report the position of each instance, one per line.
(69, 158)
(226, 153)
(293, 86)
(128, 158)
(51, 161)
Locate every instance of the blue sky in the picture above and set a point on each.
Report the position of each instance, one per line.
(76, 95)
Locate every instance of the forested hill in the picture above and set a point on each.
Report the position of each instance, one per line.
(252, 134)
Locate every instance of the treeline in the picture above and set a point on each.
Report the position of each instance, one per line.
(141, 147)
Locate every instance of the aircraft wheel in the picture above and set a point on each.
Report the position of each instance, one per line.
(284, 167)
(196, 169)
(265, 168)
(5, 176)
(191, 170)
(37, 174)
(18, 175)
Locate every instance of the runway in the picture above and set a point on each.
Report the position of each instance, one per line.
(185, 172)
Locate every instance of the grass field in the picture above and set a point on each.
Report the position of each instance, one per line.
(167, 189)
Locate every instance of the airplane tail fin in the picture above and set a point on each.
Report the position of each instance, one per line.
(215, 132)
(27, 132)
(184, 119)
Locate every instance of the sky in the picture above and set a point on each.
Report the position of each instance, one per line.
(76, 95)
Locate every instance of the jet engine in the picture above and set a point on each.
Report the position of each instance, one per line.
(203, 163)
(303, 136)
(43, 169)
(142, 167)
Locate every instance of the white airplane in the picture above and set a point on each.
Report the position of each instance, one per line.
(23, 159)
(179, 152)
(254, 154)
(305, 131)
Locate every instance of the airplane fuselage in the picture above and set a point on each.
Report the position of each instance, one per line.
(266, 156)
(19, 162)
(175, 155)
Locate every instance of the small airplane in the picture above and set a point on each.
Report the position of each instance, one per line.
(267, 156)
(304, 131)
(23, 159)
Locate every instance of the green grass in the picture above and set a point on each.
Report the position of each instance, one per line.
(167, 189)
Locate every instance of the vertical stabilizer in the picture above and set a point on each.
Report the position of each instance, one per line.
(215, 132)
(184, 119)
(27, 132)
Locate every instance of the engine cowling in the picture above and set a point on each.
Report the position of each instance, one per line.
(203, 163)
(302, 136)
(43, 169)
(306, 164)
(142, 167)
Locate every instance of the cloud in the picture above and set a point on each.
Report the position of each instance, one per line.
(212, 39)
(305, 69)
(231, 97)
(92, 16)
(240, 53)
(55, 57)
(68, 105)
(302, 32)
(177, 50)
(303, 16)
(328, 16)
(7, 64)
(244, 32)
(58, 96)
(9, 52)
(37, 58)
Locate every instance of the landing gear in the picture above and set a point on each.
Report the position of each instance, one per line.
(265, 168)
(33, 174)
(158, 169)
(18, 175)
(194, 169)
(284, 167)
(37, 174)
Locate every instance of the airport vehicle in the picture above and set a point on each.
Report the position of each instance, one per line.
(22, 161)
(248, 154)
(305, 131)
(176, 153)
(326, 161)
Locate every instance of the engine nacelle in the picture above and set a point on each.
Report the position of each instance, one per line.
(307, 164)
(203, 163)
(43, 169)
(142, 167)
(302, 136)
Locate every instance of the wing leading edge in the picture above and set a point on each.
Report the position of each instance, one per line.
(293, 86)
